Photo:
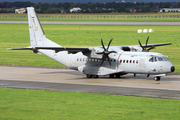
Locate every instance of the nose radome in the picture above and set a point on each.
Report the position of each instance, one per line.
(172, 69)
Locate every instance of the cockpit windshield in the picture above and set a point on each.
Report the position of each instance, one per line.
(156, 58)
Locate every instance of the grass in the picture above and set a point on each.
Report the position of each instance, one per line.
(17, 36)
(112, 17)
(39, 104)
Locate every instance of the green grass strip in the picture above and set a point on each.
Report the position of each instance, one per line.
(38, 104)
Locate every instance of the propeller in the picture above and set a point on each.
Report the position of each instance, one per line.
(105, 53)
(144, 48)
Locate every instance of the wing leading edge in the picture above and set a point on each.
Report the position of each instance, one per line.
(57, 49)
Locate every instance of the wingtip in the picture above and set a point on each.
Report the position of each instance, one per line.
(8, 49)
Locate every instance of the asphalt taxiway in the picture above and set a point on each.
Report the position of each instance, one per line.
(70, 80)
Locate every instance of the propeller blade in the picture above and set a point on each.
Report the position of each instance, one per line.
(109, 60)
(141, 45)
(105, 53)
(103, 59)
(147, 40)
(102, 44)
(109, 43)
(151, 48)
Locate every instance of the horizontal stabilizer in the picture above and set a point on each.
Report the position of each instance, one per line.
(19, 49)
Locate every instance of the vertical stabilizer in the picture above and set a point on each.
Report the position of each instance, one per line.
(37, 36)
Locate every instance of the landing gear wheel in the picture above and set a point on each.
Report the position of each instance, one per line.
(89, 76)
(95, 76)
(117, 75)
(111, 76)
(157, 78)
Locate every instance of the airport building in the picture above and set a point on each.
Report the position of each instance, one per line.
(170, 10)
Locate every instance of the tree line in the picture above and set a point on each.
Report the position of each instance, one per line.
(110, 7)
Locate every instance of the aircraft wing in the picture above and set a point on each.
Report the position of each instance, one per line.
(69, 49)
(88, 49)
(161, 44)
(57, 49)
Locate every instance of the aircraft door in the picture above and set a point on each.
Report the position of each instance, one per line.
(142, 65)
(73, 60)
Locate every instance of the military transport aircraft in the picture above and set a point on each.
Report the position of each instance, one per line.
(114, 61)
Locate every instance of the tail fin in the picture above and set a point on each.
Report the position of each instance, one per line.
(37, 35)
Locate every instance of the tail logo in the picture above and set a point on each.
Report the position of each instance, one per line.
(36, 28)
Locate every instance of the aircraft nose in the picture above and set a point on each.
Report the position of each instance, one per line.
(172, 69)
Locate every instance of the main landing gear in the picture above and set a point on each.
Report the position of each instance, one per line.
(92, 76)
(115, 75)
(157, 78)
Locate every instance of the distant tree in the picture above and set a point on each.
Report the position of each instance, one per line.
(178, 4)
(166, 5)
(88, 7)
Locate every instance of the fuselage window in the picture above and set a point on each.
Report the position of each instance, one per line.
(80, 59)
(95, 60)
(87, 60)
(90, 59)
(114, 60)
(133, 61)
(136, 61)
(120, 61)
(83, 59)
(130, 61)
(77, 59)
(123, 61)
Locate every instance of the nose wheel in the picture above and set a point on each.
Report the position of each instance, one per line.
(157, 78)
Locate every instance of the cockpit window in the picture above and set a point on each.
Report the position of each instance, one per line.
(151, 59)
(160, 59)
(165, 59)
(156, 58)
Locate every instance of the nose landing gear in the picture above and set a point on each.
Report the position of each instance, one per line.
(157, 78)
